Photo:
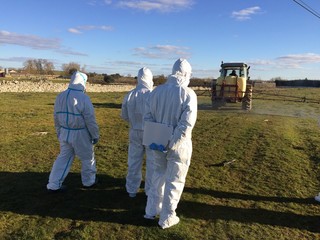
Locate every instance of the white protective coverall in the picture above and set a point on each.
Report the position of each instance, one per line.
(77, 131)
(175, 104)
(133, 107)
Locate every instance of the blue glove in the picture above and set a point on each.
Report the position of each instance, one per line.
(94, 141)
(154, 146)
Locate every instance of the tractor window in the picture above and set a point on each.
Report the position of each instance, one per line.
(223, 72)
(233, 72)
(241, 73)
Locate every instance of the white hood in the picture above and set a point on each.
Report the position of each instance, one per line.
(78, 81)
(181, 72)
(145, 78)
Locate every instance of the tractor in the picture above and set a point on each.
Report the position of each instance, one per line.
(232, 86)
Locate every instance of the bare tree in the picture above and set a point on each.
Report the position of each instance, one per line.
(70, 68)
(29, 66)
(48, 67)
(38, 66)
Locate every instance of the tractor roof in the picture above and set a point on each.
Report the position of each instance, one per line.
(226, 65)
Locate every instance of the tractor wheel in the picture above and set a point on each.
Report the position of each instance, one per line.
(247, 99)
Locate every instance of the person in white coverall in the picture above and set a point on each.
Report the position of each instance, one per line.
(133, 107)
(173, 104)
(77, 132)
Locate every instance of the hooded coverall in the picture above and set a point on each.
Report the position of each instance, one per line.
(174, 104)
(77, 131)
(133, 107)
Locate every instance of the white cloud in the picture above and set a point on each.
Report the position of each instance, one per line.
(34, 42)
(5, 33)
(71, 52)
(295, 61)
(124, 67)
(300, 58)
(74, 30)
(290, 61)
(15, 59)
(23, 59)
(91, 27)
(126, 63)
(79, 29)
(31, 41)
(106, 28)
(246, 13)
(92, 2)
(261, 62)
(163, 52)
(158, 5)
(99, 2)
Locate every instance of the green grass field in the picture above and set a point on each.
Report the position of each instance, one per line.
(266, 192)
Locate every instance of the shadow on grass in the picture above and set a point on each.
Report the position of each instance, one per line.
(25, 193)
(107, 105)
(257, 198)
(248, 215)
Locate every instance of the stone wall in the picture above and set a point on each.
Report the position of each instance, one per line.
(48, 86)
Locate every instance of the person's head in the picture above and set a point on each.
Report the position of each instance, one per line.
(182, 68)
(233, 73)
(79, 80)
(145, 77)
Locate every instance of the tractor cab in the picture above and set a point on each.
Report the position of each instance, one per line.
(232, 85)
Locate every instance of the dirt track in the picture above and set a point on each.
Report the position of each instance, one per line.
(48, 86)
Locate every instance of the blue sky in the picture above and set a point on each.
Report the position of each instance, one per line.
(277, 38)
